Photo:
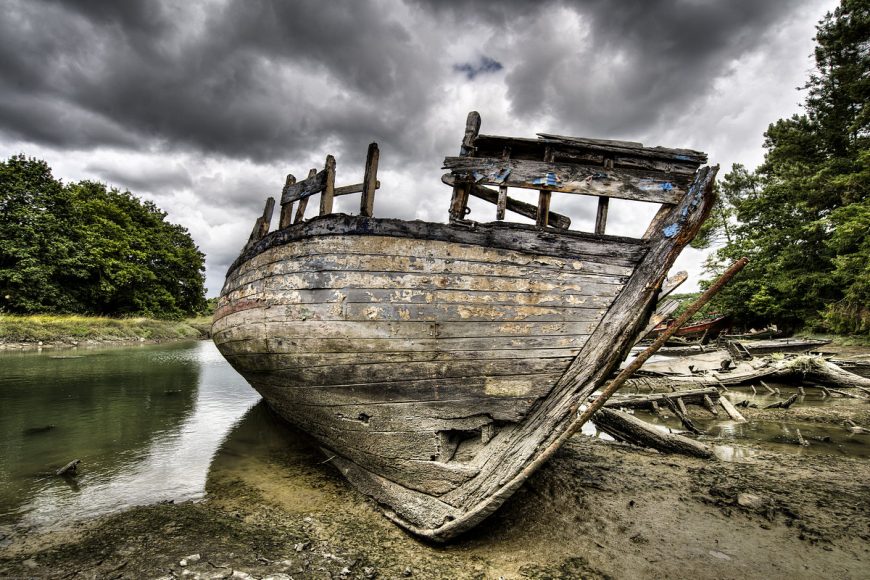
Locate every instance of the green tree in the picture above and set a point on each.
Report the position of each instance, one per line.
(85, 248)
(802, 216)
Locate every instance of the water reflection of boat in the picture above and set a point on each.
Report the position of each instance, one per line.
(438, 363)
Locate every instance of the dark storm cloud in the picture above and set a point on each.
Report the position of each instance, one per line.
(268, 80)
(633, 64)
(261, 80)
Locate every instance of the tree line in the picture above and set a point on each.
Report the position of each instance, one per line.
(85, 248)
(803, 216)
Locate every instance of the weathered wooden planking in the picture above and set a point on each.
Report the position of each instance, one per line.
(494, 347)
(565, 177)
(393, 329)
(396, 280)
(504, 202)
(497, 377)
(422, 509)
(517, 237)
(397, 416)
(334, 311)
(630, 148)
(338, 262)
(403, 248)
(577, 152)
(311, 353)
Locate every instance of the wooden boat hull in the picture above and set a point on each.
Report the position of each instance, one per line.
(437, 364)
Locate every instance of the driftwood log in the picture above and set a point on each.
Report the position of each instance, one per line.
(624, 427)
(69, 468)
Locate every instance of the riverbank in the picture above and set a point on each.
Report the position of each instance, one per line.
(64, 331)
(598, 510)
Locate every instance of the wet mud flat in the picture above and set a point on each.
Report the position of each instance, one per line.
(600, 509)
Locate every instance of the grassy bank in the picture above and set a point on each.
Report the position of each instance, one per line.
(71, 328)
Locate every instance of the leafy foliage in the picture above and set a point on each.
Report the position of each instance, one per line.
(84, 248)
(803, 217)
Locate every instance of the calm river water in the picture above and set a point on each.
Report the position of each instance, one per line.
(145, 422)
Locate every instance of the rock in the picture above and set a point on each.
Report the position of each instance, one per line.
(192, 559)
(750, 501)
(300, 547)
(370, 572)
(30, 563)
(278, 576)
(407, 572)
(242, 575)
(344, 572)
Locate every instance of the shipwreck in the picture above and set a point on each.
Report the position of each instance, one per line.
(440, 364)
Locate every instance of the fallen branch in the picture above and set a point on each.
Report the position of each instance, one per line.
(623, 427)
(783, 404)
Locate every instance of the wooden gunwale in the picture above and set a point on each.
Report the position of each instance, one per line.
(517, 237)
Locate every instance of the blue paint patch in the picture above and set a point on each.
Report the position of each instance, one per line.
(549, 179)
(683, 158)
(671, 230)
(502, 175)
(667, 186)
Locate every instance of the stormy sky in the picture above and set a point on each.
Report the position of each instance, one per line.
(203, 106)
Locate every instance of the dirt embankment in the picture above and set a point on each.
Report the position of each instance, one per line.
(598, 510)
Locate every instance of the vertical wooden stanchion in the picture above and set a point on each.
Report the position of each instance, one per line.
(326, 196)
(303, 203)
(370, 182)
(287, 208)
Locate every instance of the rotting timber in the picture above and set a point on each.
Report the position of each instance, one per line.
(438, 363)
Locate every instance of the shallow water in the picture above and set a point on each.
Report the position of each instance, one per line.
(145, 422)
(155, 423)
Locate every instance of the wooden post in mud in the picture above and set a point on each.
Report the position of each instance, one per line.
(287, 208)
(303, 203)
(328, 193)
(370, 182)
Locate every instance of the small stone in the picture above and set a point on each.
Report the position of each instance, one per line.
(344, 572)
(407, 572)
(192, 559)
(749, 500)
(278, 576)
(300, 547)
(369, 572)
(30, 563)
(242, 575)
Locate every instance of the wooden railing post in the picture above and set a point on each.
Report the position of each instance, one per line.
(544, 196)
(287, 208)
(261, 226)
(603, 204)
(370, 182)
(303, 203)
(326, 197)
(459, 202)
(501, 204)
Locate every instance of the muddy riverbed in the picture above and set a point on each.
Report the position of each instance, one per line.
(273, 508)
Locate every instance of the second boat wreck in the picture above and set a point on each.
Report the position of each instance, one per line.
(438, 364)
